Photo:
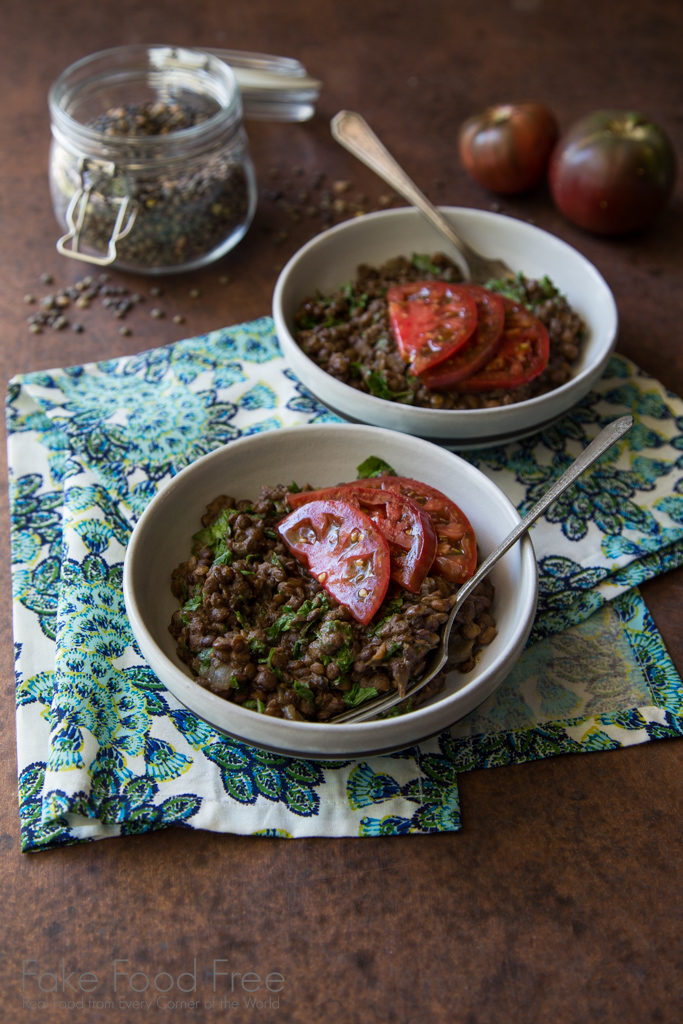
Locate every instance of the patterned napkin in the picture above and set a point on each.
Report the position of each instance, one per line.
(105, 750)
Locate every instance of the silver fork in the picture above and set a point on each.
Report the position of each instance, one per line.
(356, 135)
(439, 656)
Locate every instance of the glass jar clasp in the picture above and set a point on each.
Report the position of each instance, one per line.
(75, 217)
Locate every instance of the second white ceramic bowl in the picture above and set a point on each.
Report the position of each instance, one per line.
(332, 258)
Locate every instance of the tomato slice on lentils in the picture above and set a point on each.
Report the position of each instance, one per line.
(480, 348)
(344, 550)
(402, 522)
(456, 543)
(431, 320)
(522, 355)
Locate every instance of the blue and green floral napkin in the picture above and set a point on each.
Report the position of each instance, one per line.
(104, 750)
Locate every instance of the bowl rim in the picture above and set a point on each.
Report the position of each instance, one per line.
(439, 416)
(378, 733)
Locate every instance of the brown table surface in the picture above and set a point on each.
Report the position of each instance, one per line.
(560, 899)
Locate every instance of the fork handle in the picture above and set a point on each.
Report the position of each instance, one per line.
(354, 133)
(605, 439)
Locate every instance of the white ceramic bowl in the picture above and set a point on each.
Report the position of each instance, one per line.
(331, 258)
(322, 455)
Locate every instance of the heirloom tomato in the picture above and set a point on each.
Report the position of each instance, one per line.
(456, 543)
(480, 348)
(431, 320)
(344, 550)
(522, 354)
(506, 148)
(406, 528)
(612, 172)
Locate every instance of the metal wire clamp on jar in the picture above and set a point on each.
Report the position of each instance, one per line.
(151, 202)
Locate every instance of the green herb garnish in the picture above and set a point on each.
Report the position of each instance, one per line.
(391, 608)
(425, 264)
(378, 387)
(374, 466)
(304, 692)
(193, 604)
(215, 536)
(397, 710)
(515, 289)
(291, 615)
(274, 668)
(255, 705)
(358, 695)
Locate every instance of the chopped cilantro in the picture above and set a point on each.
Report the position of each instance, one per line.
(358, 695)
(344, 659)
(215, 536)
(374, 466)
(193, 604)
(291, 615)
(347, 291)
(255, 705)
(425, 264)
(398, 709)
(304, 692)
(516, 290)
(293, 488)
(274, 668)
(306, 322)
(390, 609)
(378, 387)
(225, 558)
(257, 647)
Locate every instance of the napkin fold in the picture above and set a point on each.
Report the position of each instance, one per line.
(104, 750)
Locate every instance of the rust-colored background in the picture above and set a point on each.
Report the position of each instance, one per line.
(560, 900)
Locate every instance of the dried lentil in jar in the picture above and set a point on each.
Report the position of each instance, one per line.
(149, 165)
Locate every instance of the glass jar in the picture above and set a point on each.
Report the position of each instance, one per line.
(149, 164)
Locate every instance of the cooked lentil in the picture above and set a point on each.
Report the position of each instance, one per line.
(349, 335)
(258, 630)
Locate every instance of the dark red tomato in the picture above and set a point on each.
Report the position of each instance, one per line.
(431, 320)
(507, 148)
(481, 347)
(522, 355)
(456, 544)
(612, 172)
(404, 525)
(345, 552)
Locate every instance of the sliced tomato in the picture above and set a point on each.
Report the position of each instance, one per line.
(522, 355)
(480, 348)
(431, 320)
(344, 550)
(456, 543)
(405, 526)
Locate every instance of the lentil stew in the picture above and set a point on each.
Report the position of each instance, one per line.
(256, 628)
(349, 335)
